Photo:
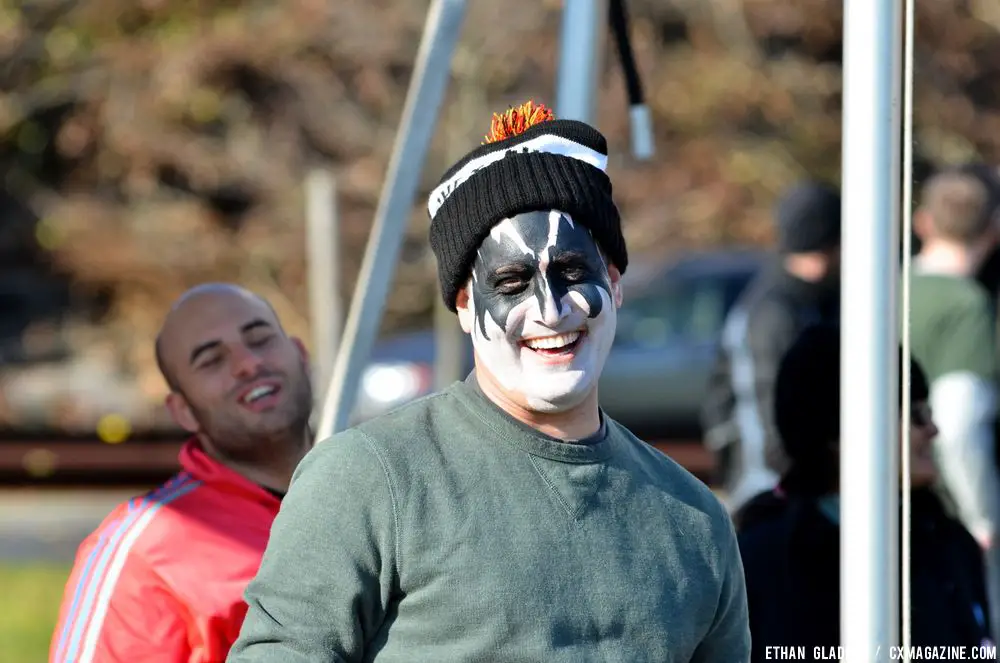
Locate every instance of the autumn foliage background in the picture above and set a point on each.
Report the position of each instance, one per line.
(148, 145)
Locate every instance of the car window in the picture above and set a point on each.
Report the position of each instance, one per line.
(681, 309)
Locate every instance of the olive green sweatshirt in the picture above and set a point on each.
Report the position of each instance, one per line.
(448, 532)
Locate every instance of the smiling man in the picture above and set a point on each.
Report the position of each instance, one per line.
(506, 518)
(162, 578)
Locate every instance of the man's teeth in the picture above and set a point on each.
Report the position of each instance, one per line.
(552, 342)
(258, 392)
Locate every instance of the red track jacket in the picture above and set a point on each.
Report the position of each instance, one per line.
(162, 579)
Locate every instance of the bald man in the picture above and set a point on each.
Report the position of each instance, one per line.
(162, 578)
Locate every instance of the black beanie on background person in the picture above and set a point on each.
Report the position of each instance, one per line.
(529, 162)
(808, 218)
(807, 406)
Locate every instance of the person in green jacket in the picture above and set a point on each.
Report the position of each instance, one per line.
(506, 518)
(953, 335)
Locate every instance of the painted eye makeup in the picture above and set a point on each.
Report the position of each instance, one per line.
(510, 285)
(575, 271)
(540, 257)
(509, 279)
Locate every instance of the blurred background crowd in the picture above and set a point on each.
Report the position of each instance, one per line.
(152, 145)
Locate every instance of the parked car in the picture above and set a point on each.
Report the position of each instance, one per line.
(657, 372)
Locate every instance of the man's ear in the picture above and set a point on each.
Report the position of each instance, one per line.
(923, 224)
(463, 305)
(181, 412)
(303, 352)
(616, 285)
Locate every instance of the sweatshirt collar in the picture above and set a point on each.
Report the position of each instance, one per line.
(516, 433)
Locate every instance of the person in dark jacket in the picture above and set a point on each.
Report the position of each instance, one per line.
(790, 538)
(801, 287)
(988, 275)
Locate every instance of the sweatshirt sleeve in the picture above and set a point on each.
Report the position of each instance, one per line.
(728, 638)
(964, 407)
(327, 575)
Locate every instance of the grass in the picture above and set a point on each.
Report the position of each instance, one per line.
(29, 605)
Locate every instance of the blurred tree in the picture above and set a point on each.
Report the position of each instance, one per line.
(152, 144)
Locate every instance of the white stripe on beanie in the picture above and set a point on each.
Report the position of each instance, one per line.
(548, 143)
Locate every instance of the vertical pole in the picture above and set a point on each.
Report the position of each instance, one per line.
(463, 120)
(323, 256)
(413, 138)
(906, 512)
(449, 347)
(869, 386)
(581, 50)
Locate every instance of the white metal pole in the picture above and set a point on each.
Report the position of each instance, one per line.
(870, 342)
(323, 256)
(581, 50)
(413, 138)
(906, 626)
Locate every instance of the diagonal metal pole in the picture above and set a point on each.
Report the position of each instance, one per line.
(872, 122)
(426, 92)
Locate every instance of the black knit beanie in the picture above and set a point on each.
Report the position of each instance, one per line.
(808, 218)
(529, 162)
(807, 405)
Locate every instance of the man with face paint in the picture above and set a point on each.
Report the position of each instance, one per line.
(506, 518)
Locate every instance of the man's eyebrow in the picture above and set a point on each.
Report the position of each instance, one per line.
(202, 348)
(254, 324)
(564, 256)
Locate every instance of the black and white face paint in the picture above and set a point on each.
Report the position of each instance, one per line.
(543, 315)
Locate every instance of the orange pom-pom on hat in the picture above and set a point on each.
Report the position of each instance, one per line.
(516, 120)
